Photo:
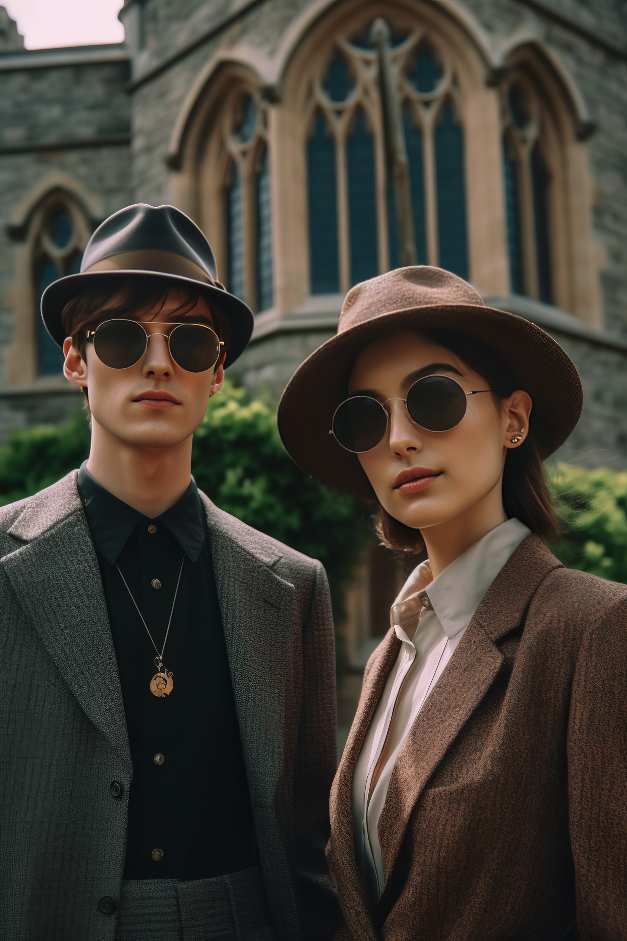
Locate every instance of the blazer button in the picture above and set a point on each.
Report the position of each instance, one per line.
(107, 905)
(117, 789)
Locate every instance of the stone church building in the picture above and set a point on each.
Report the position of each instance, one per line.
(263, 120)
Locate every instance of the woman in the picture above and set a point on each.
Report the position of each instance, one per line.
(482, 793)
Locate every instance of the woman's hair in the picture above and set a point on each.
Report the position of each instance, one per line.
(126, 294)
(525, 490)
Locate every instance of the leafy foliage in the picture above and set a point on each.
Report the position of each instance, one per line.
(592, 505)
(239, 461)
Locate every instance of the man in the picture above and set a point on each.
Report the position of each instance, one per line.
(168, 712)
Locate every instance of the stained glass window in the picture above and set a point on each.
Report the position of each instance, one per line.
(263, 240)
(322, 201)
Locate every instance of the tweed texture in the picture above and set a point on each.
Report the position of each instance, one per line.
(63, 731)
(506, 813)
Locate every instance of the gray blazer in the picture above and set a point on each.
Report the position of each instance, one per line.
(63, 737)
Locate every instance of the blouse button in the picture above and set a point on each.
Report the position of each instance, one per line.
(157, 855)
(158, 759)
(152, 529)
(156, 584)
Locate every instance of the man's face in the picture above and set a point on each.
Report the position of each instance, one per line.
(113, 392)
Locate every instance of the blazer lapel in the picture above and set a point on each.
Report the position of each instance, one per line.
(466, 679)
(257, 609)
(342, 848)
(57, 583)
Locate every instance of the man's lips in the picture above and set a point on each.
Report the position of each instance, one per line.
(156, 397)
(414, 473)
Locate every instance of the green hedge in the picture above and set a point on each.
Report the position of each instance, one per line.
(239, 461)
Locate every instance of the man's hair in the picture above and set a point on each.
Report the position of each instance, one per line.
(525, 490)
(120, 297)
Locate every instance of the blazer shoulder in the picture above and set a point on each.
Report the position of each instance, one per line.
(575, 598)
(260, 543)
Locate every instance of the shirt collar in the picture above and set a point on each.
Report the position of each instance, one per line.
(112, 521)
(456, 593)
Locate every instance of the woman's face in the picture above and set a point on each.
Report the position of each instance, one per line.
(466, 462)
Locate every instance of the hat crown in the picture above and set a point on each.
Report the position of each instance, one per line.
(149, 229)
(412, 287)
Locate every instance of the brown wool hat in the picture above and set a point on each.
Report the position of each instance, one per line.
(419, 297)
(157, 243)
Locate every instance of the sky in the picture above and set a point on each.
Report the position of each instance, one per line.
(45, 23)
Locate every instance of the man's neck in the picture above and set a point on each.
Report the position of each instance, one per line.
(149, 479)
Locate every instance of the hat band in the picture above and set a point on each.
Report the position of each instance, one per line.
(151, 260)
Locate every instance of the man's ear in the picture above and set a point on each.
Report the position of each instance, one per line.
(74, 366)
(218, 376)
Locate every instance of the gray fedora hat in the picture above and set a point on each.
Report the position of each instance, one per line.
(420, 297)
(151, 242)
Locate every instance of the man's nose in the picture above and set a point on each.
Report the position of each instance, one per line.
(157, 355)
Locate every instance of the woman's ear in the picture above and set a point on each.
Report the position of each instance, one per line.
(516, 409)
(74, 366)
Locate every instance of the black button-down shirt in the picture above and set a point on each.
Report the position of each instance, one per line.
(189, 808)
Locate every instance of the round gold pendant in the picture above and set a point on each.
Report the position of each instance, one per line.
(162, 684)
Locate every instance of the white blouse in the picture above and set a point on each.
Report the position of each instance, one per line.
(430, 624)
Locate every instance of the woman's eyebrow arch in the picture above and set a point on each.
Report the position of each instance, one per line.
(413, 376)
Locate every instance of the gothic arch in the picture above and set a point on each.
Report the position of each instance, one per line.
(56, 181)
(244, 63)
(566, 125)
(58, 201)
(314, 18)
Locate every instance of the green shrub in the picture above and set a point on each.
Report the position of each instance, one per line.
(238, 460)
(592, 505)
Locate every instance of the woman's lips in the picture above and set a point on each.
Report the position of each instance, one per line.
(156, 403)
(420, 483)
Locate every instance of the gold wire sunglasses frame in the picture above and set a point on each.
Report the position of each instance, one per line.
(381, 404)
(90, 336)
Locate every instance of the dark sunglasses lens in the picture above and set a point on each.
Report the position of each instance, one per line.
(119, 343)
(436, 403)
(194, 347)
(359, 423)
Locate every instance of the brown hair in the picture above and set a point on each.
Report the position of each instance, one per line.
(525, 490)
(118, 299)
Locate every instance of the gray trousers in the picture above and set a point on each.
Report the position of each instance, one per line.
(226, 908)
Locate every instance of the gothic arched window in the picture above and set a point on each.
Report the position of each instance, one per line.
(247, 207)
(351, 200)
(57, 252)
(528, 191)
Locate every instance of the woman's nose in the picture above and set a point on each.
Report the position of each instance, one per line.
(403, 433)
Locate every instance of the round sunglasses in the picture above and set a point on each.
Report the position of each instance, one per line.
(435, 403)
(120, 343)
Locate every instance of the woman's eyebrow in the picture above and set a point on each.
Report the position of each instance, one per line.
(413, 377)
(428, 371)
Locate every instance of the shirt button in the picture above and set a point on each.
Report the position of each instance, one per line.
(158, 759)
(157, 855)
(152, 529)
(107, 905)
(156, 584)
(117, 789)
(426, 603)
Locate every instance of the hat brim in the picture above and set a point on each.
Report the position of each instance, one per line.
(537, 362)
(235, 318)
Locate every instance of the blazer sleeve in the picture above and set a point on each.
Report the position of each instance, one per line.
(315, 765)
(597, 775)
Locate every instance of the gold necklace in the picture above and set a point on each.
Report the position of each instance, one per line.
(162, 683)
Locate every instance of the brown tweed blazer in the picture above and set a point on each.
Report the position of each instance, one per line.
(506, 813)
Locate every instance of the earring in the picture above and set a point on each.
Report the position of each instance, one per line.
(517, 437)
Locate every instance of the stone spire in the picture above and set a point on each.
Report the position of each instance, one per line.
(10, 39)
